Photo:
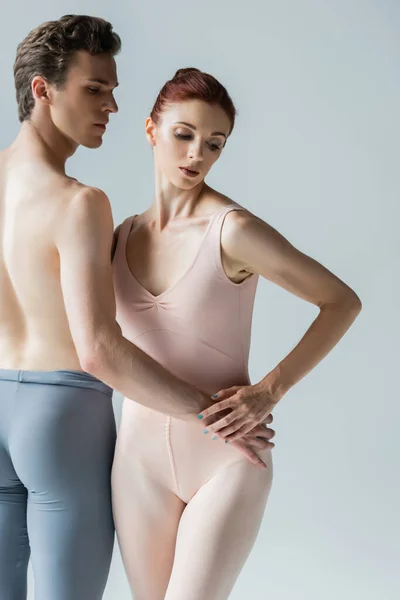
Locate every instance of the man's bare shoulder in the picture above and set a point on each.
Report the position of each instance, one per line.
(79, 196)
(85, 202)
(86, 210)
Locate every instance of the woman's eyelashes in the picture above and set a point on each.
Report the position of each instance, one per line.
(182, 136)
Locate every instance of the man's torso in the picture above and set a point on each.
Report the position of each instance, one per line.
(34, 330)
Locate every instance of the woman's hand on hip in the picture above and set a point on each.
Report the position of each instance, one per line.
(249, 406)
(260, 436)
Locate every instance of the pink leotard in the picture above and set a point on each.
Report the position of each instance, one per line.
(187, 508)
(199, 329)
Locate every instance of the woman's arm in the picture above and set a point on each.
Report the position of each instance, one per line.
(249, 245)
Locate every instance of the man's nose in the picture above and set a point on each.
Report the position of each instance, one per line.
(112, 106)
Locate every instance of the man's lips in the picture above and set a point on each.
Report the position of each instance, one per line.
(101, 125)
(189, 172)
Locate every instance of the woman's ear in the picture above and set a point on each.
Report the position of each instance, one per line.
(150, 131)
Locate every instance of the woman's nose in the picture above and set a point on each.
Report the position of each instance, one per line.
(196, 152)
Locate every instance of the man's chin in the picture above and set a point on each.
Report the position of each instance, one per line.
(93, 143)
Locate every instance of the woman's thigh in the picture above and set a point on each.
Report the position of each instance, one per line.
(183, 504)
(146, 515)
(217, 531)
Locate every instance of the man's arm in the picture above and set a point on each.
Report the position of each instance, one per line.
(84, 242)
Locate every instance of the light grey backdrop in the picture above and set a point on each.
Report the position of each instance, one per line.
(315, 153)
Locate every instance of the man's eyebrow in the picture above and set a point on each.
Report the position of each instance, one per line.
(102, 81)
(194, 128)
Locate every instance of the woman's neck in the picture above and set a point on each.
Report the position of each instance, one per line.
(171, 202)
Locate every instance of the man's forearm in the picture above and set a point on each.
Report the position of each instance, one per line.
(133, 373)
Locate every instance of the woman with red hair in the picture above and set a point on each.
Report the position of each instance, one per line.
(188, 506)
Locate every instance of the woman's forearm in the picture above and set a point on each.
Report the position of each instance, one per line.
(324, 333)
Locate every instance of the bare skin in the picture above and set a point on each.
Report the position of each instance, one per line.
(57, 309)
(35, 195)
(164, 240)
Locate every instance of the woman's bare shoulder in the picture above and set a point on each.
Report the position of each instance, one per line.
(216, 200)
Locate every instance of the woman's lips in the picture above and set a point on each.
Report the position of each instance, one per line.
(188, 172)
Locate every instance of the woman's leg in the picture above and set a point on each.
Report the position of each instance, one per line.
(146, 515)
(217, 531)
(62, 447)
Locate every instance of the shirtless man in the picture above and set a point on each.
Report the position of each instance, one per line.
(59, 338)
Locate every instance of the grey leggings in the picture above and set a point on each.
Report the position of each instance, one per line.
(57, 438)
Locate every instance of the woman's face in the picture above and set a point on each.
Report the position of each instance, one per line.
(188, 140)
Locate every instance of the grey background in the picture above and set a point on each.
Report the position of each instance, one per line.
(315, 154)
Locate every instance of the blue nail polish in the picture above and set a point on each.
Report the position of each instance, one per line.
(214, 437)
(199, 416)
(226, 441)
(214, 396)
(206, 431)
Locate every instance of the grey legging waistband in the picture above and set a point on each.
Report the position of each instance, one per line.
(71, 378)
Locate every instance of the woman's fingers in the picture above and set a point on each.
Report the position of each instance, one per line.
(236, 431)
(262, 431)
(249, 453)
(236, 417)
(223, 394)
(259, 443)
(233, 425)
(216, 408)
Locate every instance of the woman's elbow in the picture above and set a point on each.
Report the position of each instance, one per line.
(353, 301)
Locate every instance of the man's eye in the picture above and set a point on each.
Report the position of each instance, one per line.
(93, 90)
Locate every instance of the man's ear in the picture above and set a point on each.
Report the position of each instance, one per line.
(40, 89)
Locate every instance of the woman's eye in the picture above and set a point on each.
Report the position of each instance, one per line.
(188, 136)
(93, 90)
